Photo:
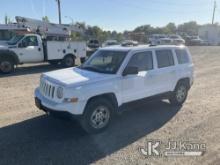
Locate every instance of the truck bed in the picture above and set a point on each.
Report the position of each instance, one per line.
(59, 49)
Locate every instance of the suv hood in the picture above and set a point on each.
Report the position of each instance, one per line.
(76, 77)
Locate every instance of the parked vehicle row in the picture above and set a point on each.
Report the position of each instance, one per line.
(110, 43)
(162, 39)
(196, 41)
(112, 78)
(95, 44)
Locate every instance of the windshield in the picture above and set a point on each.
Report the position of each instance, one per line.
(15, 39)
(104, 61)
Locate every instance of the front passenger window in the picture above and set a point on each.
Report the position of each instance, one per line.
(143, 61)
(30, 41)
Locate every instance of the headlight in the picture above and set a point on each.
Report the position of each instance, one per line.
(59, 92)
(41, 77)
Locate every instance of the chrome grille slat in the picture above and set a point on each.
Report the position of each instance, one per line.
(47, 89)
(53, 92)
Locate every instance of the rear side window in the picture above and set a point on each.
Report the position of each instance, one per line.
(182, 56)
(143, 60)
(164, 58)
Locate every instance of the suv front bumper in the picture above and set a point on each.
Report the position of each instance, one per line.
(56, 113)
(49, 106)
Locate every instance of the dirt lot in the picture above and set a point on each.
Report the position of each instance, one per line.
(28, 136)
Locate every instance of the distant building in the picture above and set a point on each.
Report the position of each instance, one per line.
(210, 33)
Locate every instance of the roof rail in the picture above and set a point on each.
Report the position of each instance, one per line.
(151, 45)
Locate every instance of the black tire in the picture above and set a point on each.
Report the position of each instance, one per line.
(178, 97)
(97, 116)
(54, 63)
(69, 61)
(7, 66)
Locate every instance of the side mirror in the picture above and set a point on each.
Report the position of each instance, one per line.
(20, 45)
(131, 70)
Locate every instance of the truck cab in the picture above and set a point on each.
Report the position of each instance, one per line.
(29, 48)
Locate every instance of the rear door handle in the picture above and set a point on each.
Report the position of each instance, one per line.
(39, 49)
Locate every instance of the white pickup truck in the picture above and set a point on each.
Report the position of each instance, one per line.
(31, 48)
(113, 77)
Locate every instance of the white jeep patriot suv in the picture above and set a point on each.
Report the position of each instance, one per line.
(112, 77)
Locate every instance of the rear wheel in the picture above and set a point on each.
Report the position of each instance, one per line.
(179, 95)
(97, 116)
(6, 66)
(69, 61)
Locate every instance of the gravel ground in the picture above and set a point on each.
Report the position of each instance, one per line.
(28, 136)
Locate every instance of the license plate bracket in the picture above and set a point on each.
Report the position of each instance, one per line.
(38, 103)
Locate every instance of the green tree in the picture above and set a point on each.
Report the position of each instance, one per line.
(171, 28)
(190, 28)
(76, 36)
(45, 19)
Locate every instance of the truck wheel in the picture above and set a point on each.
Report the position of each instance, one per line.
(97, 116)
(7, 66)
(179, 95)
(69, 61)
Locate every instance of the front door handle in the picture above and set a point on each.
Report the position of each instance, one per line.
(39, 49)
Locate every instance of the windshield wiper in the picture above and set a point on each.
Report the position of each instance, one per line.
(91, 68)
(10, 43)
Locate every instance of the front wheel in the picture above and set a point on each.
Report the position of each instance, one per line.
(7, 66)
(97, 116)
(179, 96)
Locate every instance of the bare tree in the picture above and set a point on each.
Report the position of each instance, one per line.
(7, 20)
(45, 19)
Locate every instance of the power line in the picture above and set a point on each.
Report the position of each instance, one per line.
(143, 8)
(174, 3)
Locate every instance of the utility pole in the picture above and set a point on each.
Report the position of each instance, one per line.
(59, 11)
(213, 17)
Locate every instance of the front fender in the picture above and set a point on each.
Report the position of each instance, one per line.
(8, 54)
(85, 92)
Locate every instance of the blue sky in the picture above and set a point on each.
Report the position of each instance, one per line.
(114, 14)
